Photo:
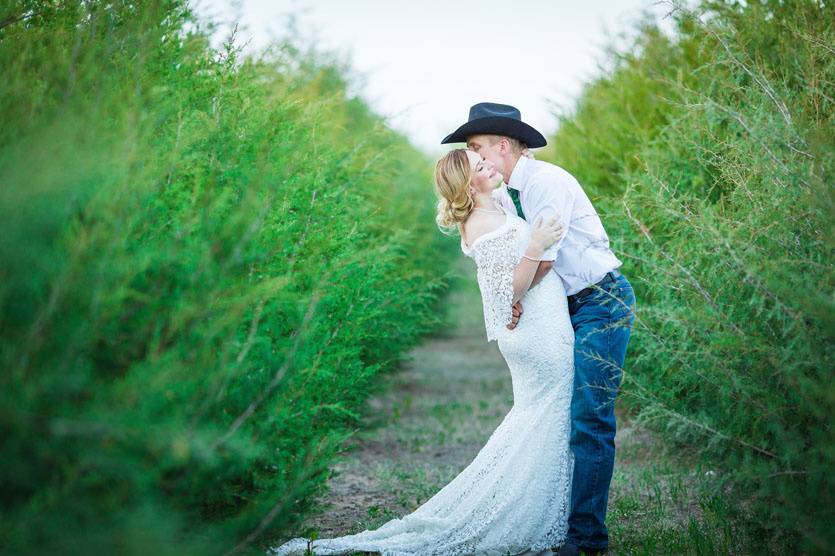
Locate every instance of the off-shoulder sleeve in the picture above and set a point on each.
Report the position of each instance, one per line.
(496, 259)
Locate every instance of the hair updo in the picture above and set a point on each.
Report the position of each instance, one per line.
(452, 180)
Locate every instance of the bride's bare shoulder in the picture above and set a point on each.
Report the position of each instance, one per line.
(479, 224)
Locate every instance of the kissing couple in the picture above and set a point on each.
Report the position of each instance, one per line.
(561, 314)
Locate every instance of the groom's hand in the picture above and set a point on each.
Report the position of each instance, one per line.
(517, 312)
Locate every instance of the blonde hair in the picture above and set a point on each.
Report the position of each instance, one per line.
(452, 181)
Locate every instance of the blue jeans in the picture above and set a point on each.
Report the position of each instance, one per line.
(602, 323)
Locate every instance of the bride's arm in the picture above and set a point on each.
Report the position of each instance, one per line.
(543, 269)
(502, 277)
(524, 273)
(542, 236)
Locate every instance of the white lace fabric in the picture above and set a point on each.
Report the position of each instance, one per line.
(513, 497)
(496, 257)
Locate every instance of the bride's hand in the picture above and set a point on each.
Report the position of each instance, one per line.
(516, 311)
(545, 234)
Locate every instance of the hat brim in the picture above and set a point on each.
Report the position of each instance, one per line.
(497, 125)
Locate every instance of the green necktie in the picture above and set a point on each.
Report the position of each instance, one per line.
(514, 194)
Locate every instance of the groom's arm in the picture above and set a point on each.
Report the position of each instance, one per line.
(547, 262)
(544, 268)
(552, 195)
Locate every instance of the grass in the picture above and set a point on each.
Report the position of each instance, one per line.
(663, 502)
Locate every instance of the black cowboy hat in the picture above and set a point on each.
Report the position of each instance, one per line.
(496, 119)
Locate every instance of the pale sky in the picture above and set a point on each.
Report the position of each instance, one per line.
(423, 63)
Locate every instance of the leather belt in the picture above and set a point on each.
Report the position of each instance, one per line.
(610, 276)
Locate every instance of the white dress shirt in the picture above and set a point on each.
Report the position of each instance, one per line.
(582, 256)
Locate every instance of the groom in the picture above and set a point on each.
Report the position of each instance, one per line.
(600, 301)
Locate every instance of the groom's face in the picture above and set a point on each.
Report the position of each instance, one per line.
(488, 148)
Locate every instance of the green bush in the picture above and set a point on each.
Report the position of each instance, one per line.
(206, 261)
(712, 156)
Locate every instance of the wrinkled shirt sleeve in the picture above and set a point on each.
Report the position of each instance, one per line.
(551, 195)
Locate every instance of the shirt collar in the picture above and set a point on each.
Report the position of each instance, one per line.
(517, 176)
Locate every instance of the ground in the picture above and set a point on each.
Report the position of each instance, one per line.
(438, 411)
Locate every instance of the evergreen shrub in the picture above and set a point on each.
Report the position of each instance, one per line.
(711, 154)
(206, 261)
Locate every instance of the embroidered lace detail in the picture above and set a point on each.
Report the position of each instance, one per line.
(496, 258)
(513, 497)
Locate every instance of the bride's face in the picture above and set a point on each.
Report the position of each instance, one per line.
(485, 176)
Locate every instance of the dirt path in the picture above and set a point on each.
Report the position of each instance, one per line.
(435, 415)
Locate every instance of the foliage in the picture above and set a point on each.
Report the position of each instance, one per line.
(206, 261)
(711, 155)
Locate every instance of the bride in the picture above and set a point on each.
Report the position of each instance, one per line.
(514, 496)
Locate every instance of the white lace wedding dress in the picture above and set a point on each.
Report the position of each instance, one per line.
(513, 497)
